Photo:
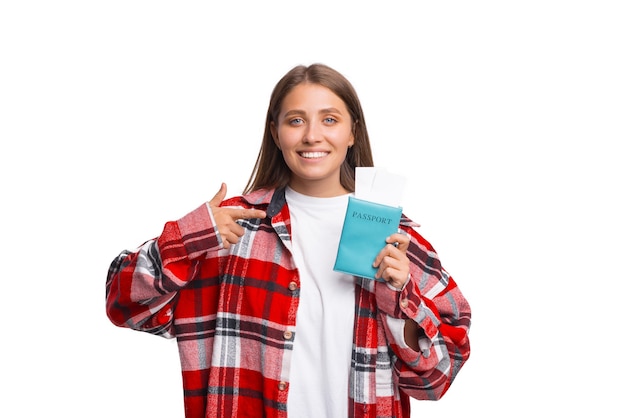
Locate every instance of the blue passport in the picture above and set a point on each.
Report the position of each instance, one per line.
(365, 228)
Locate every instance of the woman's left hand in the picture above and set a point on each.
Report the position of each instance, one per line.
(392, 262)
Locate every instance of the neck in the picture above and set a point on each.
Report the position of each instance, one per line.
(318, 188)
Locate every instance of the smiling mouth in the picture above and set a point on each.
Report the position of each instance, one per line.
(316, 154)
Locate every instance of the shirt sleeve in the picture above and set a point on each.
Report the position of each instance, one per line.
(142, 285)
(433, 300)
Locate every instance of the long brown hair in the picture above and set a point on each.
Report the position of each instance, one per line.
(270, 169)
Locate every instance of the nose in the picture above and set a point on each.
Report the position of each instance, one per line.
(312, 133)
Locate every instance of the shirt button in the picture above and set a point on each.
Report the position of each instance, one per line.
(404, 303)
(287, 335)
(282, 386)
(293, 286)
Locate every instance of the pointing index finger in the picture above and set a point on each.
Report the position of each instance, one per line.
(248, 214)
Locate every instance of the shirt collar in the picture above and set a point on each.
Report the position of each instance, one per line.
(274, 198)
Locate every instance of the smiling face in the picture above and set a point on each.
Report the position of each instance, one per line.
(314, 130)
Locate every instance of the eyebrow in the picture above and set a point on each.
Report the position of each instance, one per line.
(321, 111)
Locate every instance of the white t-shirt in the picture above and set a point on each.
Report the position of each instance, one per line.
(322, 349)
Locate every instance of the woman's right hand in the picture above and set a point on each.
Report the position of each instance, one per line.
(226, 218)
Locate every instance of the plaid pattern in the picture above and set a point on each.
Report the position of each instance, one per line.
(233, 314)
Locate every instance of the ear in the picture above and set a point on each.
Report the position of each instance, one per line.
(274, 132)
(352, 134)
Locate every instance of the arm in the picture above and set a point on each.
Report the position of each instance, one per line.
(426, 322)
(141, 286)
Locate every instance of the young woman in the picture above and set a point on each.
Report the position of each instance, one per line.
(246, 285)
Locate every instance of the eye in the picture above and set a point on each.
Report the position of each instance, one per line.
(296, 121)
(329, 120)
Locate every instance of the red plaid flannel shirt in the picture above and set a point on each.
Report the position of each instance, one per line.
(233, 313)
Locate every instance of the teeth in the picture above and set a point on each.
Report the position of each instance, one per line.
(313, 154)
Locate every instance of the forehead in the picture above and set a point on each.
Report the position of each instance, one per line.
(312, 97)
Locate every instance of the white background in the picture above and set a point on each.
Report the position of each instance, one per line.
(507, 117)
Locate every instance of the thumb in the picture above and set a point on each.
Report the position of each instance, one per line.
(219, 196)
